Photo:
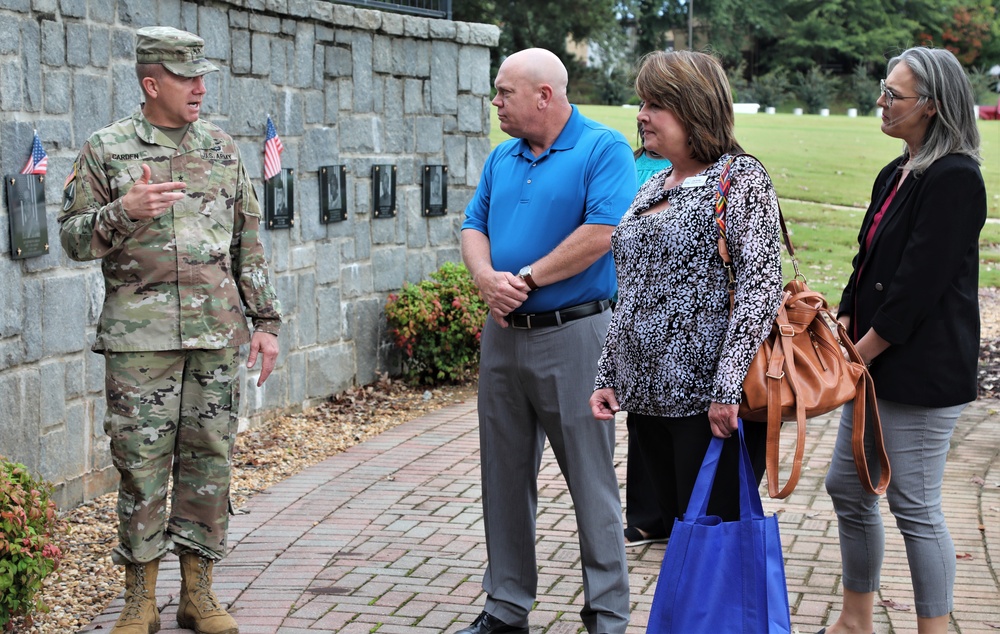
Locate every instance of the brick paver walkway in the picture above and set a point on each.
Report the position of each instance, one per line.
(388, 537)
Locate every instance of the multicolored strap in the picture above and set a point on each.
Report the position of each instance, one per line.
(721, 193)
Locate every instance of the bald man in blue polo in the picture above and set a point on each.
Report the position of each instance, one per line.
(536, 240)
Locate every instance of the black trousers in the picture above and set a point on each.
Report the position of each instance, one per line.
(642, 509)
(673, 450)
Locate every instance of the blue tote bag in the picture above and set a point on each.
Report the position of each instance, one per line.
(722, 577)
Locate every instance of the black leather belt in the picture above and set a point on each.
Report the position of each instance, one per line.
(557, 317)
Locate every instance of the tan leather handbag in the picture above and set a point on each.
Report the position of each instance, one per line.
(806, 367)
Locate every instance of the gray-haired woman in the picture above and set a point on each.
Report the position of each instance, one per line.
(912, 308)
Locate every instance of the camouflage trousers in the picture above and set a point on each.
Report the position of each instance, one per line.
(172, 412)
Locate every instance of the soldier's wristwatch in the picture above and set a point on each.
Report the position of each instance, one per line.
(525, 274)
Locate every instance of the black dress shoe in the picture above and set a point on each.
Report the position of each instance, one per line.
(489, 624)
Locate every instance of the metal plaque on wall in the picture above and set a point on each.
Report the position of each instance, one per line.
(332, 193)
(29, 231)
(279, 200)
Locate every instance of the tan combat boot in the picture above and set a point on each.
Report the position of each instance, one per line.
(199, 609)
(139, 616)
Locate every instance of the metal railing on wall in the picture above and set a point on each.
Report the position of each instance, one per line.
(428, 8)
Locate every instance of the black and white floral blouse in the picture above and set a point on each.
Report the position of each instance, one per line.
(672, 349)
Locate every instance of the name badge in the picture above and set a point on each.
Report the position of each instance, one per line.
(695, 181)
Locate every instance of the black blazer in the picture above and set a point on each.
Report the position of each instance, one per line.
(919, 282)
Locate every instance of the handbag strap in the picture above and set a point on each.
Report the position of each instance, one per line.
(721, 203)
(750, 503)
(781, 365)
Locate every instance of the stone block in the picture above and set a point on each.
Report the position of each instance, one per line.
(286, 286)
(307, 311)
(100, 46)
(100, 11)
(358, 133)
(474, 70)
(315, 107)
(365, 325)
(44, 6)
(367, 19)
(329, 314)
(419, 266)
(78, 9)
(331, 97)
(31, 64)
(449, 254)
(293, 371)
(411, 58)
(126, 94)
(280, 54)
(11, 301)
(389, 267)
(241, 54)
(305, 43)
(416, 229)
(91, 106)
(444, 80)
(429, 135)
(239, 19)
(356, 279)
(330, 370)
(19, 431)
(53, 43)
(77, 44)
(328, 260)
(123, 45)
(478, 149)
(415, 26)
(11, 95)
(392, 24)
(441, 29)
(52, 378)
(31, 331)
(388, 230)
(74, 378)
(473, 116)
(10, 37)
(454, 158)
(361, 58)
(338, 62)
(63, 315)
(441, 231)
(265, 24)
(171, 12)
(260, 54)
(413, 97)
(382, 54)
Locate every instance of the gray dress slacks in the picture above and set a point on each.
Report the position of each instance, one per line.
(535, 384)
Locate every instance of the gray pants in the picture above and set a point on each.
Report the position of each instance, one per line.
(916, 441)
(535, 384)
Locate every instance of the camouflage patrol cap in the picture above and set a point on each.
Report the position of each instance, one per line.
(180, 52)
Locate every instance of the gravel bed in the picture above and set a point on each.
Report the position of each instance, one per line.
(87, 580)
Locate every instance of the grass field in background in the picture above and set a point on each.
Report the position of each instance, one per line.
(823, 169)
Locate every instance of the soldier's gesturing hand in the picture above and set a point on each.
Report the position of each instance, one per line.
(149, 200)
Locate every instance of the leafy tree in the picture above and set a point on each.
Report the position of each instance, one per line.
(539, 24)
(838, 34)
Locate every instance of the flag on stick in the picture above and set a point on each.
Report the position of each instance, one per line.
(272, 151)
(38, 162)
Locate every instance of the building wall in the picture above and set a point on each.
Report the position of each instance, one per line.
(343, 85)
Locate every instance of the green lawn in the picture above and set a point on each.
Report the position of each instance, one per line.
(823, 168)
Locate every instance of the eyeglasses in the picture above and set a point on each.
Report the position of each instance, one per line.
(891, 96)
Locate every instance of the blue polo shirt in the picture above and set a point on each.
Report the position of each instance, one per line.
(526, 205)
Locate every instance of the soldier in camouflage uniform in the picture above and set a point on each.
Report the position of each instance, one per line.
(163, 199)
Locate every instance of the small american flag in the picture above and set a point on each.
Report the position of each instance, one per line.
(38, 162)
(272, 150)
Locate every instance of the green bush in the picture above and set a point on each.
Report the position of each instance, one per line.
(771, 89)
(29, 551)
(437, 324)
(862, 91)
(816, 88)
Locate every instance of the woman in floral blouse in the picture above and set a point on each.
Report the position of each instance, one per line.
(674, 357)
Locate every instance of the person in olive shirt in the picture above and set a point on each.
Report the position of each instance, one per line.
(163, 200)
